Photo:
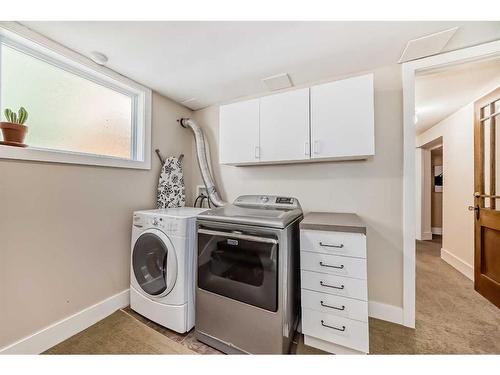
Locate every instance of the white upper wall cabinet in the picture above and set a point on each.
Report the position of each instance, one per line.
(342, 119)
(239, 132)
(332, 121)
(284, 126)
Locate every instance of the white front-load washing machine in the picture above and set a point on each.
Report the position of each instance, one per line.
(162, 272)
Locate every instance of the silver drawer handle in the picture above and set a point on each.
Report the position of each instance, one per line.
(332, 327)
(332, 307)
(330, 245)
(329, 265)
(331, 286)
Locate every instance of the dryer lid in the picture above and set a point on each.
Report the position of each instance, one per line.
(260, 210)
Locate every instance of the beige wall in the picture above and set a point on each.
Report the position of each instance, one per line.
(65, 229)
(371, 188)
(436, 197)
(458, 182)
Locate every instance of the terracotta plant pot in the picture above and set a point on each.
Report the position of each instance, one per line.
(13, 132)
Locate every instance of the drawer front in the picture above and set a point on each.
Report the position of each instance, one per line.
(335, 305)
(333, 264)
(348, 244)
(346, 332)
(337, 285)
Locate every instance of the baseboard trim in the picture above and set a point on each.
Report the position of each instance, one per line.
(463, 267)
(425, 236)
(389, 313)
(67, 327)
(437, 231)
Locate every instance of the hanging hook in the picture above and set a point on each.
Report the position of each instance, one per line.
(159, 156)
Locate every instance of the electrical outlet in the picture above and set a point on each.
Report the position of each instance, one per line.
(201, 189)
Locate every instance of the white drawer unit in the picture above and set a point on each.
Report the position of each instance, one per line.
(334, 286)
(348, 244)
(333, 264)
(338, 285)
(335, 305)
(341, 331)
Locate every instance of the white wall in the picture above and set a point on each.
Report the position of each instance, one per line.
(371, 188)
(423, 207)
(65, 229)
(457, 132)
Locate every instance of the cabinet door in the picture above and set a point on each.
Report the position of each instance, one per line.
(239, 132)
(284, 126)
(342, 124)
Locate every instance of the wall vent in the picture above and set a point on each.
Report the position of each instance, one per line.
(278, 82)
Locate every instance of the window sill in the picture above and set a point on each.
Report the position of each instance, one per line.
(68, 157)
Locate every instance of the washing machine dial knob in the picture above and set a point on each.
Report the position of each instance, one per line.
(264, 199)
(155, 221)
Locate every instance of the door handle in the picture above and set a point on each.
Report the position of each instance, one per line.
(239, 236)
(479, 195)
(475, 208)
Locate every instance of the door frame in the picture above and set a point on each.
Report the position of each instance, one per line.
(409, 71)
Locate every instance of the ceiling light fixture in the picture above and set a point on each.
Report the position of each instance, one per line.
(98, 57)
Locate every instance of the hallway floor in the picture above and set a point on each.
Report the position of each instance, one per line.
(451, 317)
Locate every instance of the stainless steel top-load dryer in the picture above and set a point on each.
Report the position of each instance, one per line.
(248, 274)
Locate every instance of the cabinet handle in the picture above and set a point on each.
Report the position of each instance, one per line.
(333, 307)
(332, 327)
(341, 267)
(257, 152)
(316, 147)
(332, 286)
(307, 151)
(331, 245)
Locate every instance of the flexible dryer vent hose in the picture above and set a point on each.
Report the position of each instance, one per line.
(201, 153)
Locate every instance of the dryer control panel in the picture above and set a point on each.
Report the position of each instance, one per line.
(268, 201)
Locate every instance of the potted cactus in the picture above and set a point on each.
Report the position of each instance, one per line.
(14, 129)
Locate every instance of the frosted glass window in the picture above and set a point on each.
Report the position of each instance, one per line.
(67, 111)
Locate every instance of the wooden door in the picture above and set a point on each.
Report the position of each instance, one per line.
(487, 196)
(284, 126)
(239, 132)
(342, 119)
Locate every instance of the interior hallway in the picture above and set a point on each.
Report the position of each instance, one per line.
(451, 318)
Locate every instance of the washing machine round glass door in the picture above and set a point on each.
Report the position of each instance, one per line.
(154, 263)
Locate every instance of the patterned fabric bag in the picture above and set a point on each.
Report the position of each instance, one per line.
(171, 189)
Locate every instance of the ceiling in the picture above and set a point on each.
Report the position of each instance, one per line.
(213, 62)
(439, 93)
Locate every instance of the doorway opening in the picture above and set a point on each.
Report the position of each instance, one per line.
(444, 120)
(445, 151)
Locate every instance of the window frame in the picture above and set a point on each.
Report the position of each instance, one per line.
(26, 41)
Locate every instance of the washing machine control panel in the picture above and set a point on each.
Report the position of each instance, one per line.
(170, 225)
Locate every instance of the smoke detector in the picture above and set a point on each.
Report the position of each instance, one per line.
(278, 82)
(427, 45)
(98, 57)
